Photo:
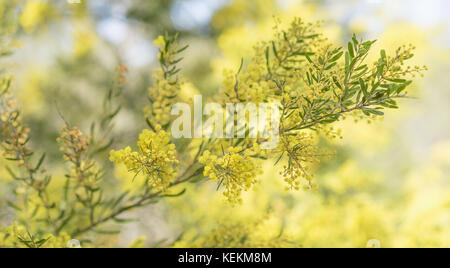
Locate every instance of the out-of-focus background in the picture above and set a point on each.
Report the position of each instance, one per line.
(389, 180)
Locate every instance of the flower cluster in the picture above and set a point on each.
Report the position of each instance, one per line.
(235, 170)
(163, 96)
(17, 236)
(166, 84)
(241, 234)
(83, 171)
(398, 67)
(249, 86)
(317, 84)
(74, 143)
(14, 136)
(302, 154)
(35, 14)
(156, 158)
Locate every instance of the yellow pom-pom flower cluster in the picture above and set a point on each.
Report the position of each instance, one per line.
(166, 84)
(35, 14)
(163, 96)
(303, 154)
(17, 236)
(156, 158)
(251, 86)
(248, 233)
(236, 171)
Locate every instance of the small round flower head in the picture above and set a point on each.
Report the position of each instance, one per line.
(236, 171)
(160, 42)
(17, 236)
(155, 159)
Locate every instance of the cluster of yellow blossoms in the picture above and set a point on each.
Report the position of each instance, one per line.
(17, 236)
(250, 86)
(241, 234)
(163, 96)
(75, 144)
(166, 85)
(235, 170)
(36, 13)
(303, 154)
(156, 158)
(84, 171)
(14, 136)
(316, 85)
(276, 73)
(398, 62)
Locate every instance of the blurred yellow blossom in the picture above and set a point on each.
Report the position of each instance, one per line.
(138, 243)
(160, 42)
(84, 41)
(35, 14)
(18, 236)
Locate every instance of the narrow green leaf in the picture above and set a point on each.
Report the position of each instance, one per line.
(347, 62)
(41, 160)
(383, 55)
(12, 205)
(363, 86)
(337, 57)
(274, 50)
(350, 50)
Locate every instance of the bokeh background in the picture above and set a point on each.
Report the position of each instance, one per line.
(389, 180)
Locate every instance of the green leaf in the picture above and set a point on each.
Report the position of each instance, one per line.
(360, 74)
(279, 158)
(111, 116)
(241, 65)
(311, 36)
(274, 50)
(11, 173)
(337, 57)
(336, 82)
(176, 61)
(306, 54)
(41, 160)
(373, 111)
(41, 242)
(350, 50)
(267, 59)
(375, 86)
(329, 119)
(347, 62)
(395, 80)
(12, 205)
(330, 66)
(103, 148)
(120, 199)
(197, 179)
(321, 60)
(367, 45)
(363, 86)
(383, 55)
(182, 49)
(118, 220)
(175, 195)
(107, 232)
(309, 78)
(355, 41)
(362, 67)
